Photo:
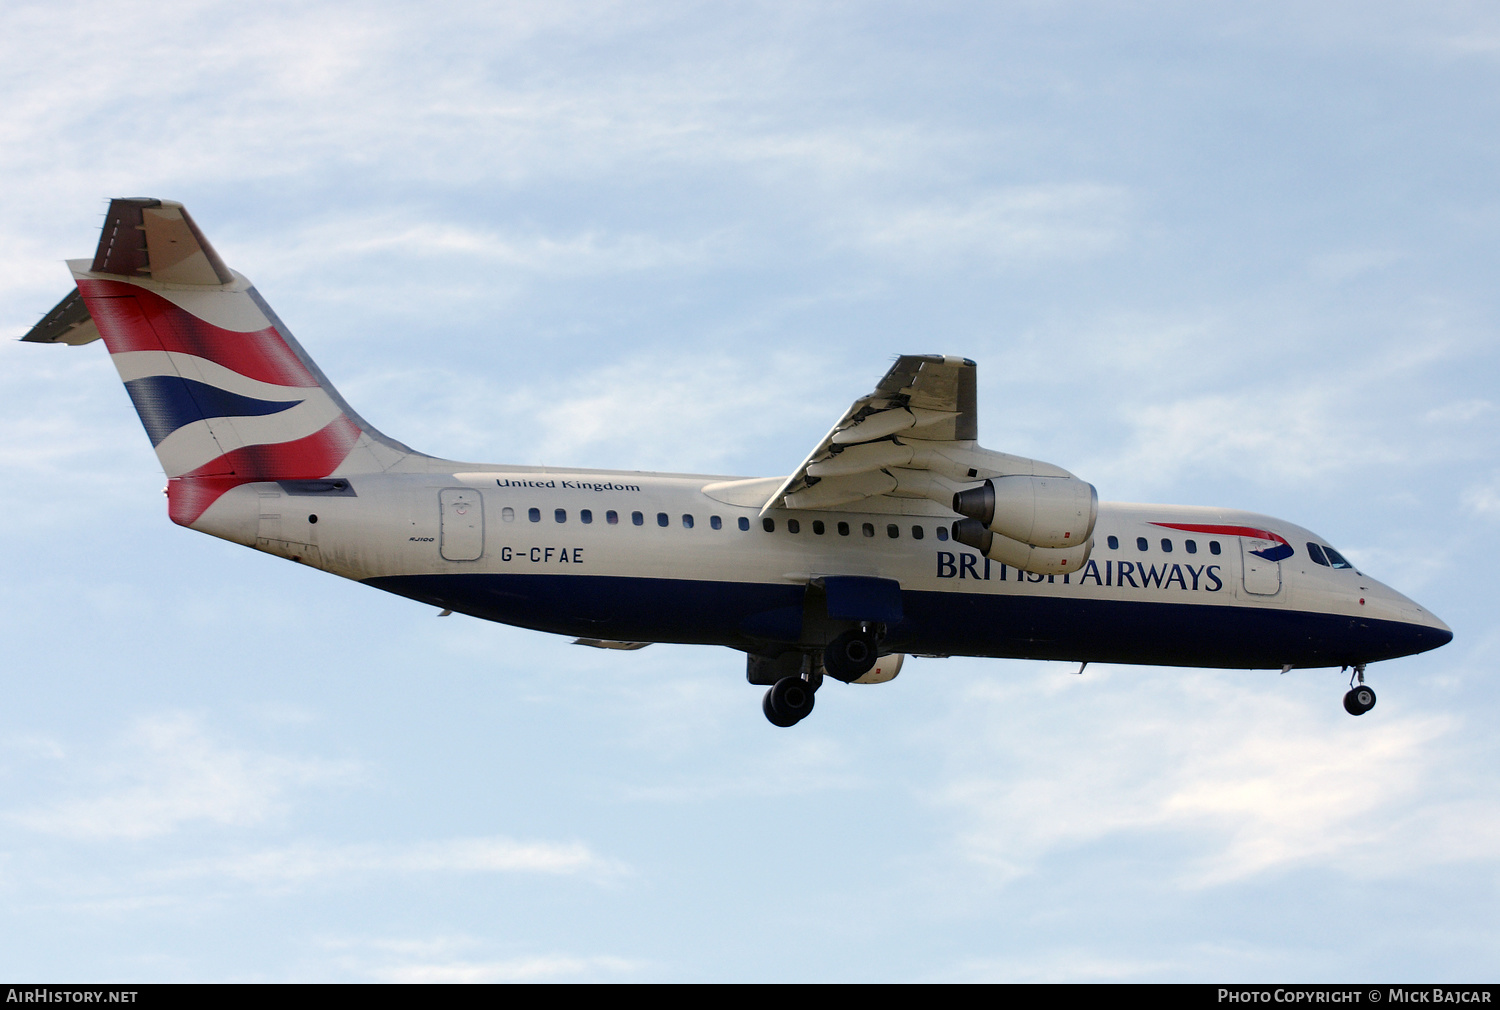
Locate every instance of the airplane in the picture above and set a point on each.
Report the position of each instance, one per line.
(897, 535)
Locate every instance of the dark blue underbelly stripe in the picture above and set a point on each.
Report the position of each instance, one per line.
(760, 617)
(167, 402)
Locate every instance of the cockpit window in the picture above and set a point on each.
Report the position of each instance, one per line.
(1336, 559)
(1327, 556)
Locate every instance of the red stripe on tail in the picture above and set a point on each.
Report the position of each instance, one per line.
(131, 318)
(317, 455)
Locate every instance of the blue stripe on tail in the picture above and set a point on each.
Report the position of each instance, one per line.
(167, 402)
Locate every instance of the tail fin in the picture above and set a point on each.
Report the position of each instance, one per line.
(226, 394)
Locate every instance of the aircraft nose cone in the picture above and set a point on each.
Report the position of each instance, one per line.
(1424, 631)
(1401, 626)
(1432, 636)
(1440, 632)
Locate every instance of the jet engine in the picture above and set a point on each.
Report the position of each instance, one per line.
(885, 669)
(1036, 524)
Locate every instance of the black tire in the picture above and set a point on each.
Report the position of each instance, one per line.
(791, 699)
(1359, 700)
(776, 717)
(850, 656)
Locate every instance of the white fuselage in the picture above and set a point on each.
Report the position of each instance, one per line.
(670, 557)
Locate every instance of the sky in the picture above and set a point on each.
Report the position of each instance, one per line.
(1204, 253)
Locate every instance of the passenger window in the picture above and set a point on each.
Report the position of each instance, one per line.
(715, 522)
(916, 533)
(560, 515)
(1191, 546)
(637, 519)
(769, 525)
(1213, 547)
(687, 521)
(661, 519)
(1140, 543)
(744, 523)
(843, 529)
(942, 533)
(868, 529)
(793, 526)
(508, 514)
(1316, 553)
(892, 530)
(586, 517)
(535, 515)
(1114, 543)
(818, 527)
(612, 517)
(1166, 546)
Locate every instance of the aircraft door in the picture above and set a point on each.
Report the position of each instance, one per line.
(461, 534)
(1261, 577)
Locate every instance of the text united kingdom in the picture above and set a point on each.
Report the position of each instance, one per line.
(569, 485)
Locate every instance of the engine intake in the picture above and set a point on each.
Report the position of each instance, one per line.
(1049, 512)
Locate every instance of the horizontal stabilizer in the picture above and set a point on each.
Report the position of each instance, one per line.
(69, 322)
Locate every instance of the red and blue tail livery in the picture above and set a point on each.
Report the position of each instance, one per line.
(899, 534)
(225, 394)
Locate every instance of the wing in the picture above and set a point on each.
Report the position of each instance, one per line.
(913, 437)
(916, 437)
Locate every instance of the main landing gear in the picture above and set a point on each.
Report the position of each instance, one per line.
(1359, 699)
(790, 698)
(788, 701)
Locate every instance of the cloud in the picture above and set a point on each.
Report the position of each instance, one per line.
(456, 959)
(489, 96)
(1484, 499)
(308, 250)
(792, 768)
(535, 968)
(1019, 224)
(1460, 411)
(1281, 436)
(450, 959)
(692, 414)
(1073, 964)
(1281, 418)
(1244, 776)
(1349, 264)
(322, 863)
(167, 773)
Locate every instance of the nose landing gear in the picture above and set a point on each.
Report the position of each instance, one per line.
(1359, 699)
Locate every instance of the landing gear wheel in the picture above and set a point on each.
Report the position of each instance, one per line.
(774, 716)
(1359, 700)
(851, 655)
(788, 702)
